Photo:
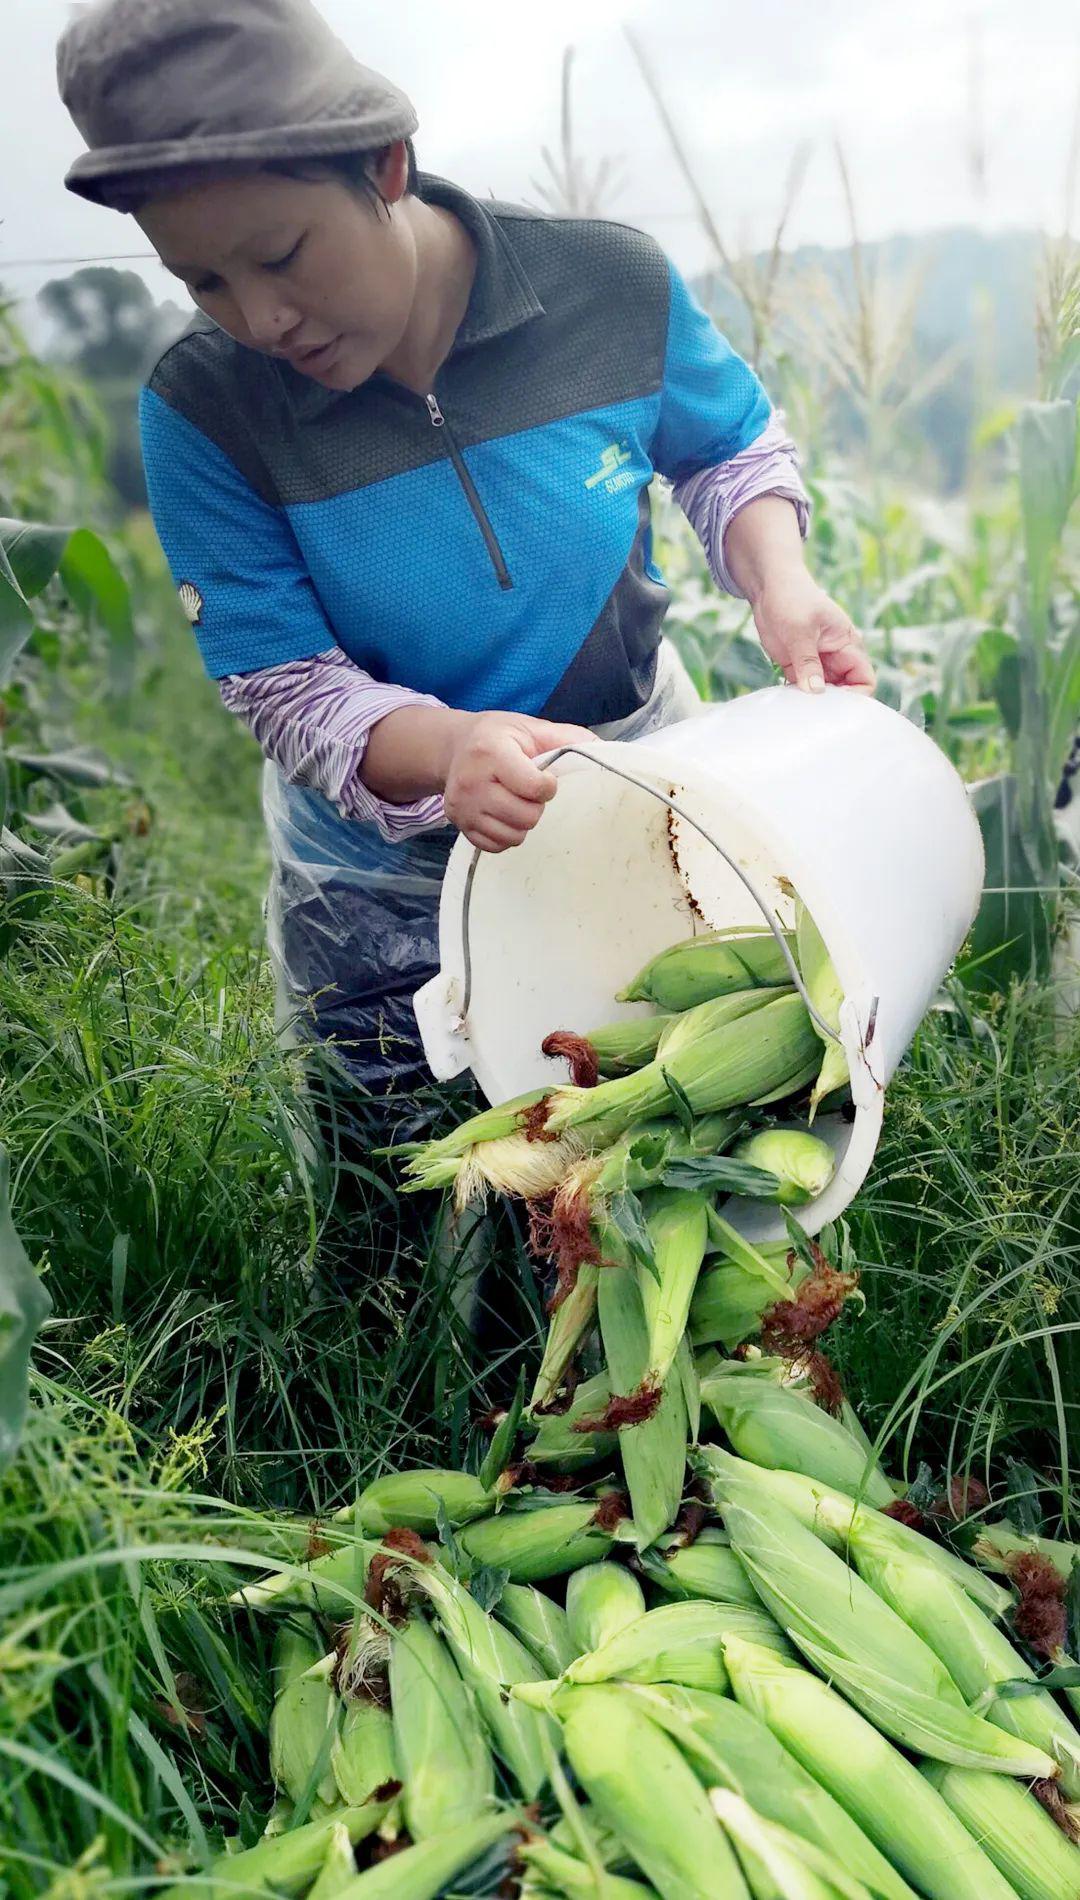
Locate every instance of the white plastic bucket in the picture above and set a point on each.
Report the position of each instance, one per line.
(832, 795)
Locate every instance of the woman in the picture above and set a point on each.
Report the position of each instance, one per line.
(401, 476)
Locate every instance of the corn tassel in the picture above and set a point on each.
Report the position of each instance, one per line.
(443, 1758)
(513, 1164)
(997, 1546)
(826, 994)
(424, 1871)
(721, 1070)
(1025, 1845)
(540, 1624)
(706, 1568)
(776, 1863)
(729, 1748)
(412, 1500)
(713, 964)
(600, 1601)
(535, 1544)
(642, 1788)
(653, 1450)
(679, 1642)
(677, 1224)
(878, 1787)
(775, 1425)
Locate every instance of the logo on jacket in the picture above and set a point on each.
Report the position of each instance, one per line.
(191, 601)
(612, 471)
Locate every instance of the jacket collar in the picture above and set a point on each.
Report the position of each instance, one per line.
(501, 299)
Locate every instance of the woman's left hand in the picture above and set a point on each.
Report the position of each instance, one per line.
(808, 636)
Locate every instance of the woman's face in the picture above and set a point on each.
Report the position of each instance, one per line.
(311, 271)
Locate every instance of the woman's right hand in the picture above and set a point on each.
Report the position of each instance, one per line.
(493, 790)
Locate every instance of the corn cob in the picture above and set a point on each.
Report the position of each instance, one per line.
(303, 1721)
(826, 994)
(338, 1867)
(1025, 1845)
(558, 1440)
(774, 1424)
(730, 1302)
(488, 1656)
(776, 1863)
(628, 1044)
(412, 1499)
(706, 1568)
(280, 1863)
(590, 1838)
(536, 1543)
(712, 964)
(362, 1756)
(729, 1748)
(827, 1512)
(332, 1584)
(513, 1164)
(679, 1642)
(652, 1450)
(600, 1601)
(641, 1787)
(539, 1623)
(705, 1017)
(685, 1370)
(443, 1758)
(676, 1222)
(424, 1871)
(856, 1640)
(978, 1656)
(563, 1873)
(997, 1545)
(717, 1071)
(571, 1320)
(877, 1786)
(434, 1163)
(803, 1165)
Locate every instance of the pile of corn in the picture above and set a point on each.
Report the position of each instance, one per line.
(678, 1634)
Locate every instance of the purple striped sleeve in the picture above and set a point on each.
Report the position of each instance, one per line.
(314, 718)
(711, 498)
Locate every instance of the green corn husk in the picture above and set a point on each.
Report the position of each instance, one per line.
(713, 964)
(423, 1872)
(685, 1369)
(303, 1722)
(852, 1636)
(705, 1017)
(604, 1846)
(558, 1441)
(1025, 1845)
(641, 1787)
(279, 1863)
(978, 1656)
(776, 1863)
(447, 1773)
(628, 1044)
(877, 1786)
(677, 1223)
(489, 1656)
(540, 1624)
(653, 1451)
(731, 1065)
(825, 993)
(600, 1601)
(563, 1873)
(730, 1302)
(535, 1544)
(679, 1642)
(776, 1425)
(362, 1756)
(729, 1748)
(706, 1568)
(998, 1545)
(338, 1867)
(489, 1124)
(827, 1512)
(332, 1584)
(411, 1500)
(802, 1163)
(572, 1319)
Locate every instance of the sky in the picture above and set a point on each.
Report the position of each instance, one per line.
(911, 92)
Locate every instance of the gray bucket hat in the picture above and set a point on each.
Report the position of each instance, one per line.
(160, 88)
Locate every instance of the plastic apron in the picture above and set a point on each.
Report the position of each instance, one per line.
(352, 921)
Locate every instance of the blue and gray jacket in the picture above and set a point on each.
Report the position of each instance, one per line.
(490, 543)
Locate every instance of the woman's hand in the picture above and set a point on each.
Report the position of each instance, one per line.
(807, 635)
(493, 790)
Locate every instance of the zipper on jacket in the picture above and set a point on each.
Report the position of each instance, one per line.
(498, 561)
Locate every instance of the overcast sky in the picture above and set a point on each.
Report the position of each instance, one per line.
(747, 83)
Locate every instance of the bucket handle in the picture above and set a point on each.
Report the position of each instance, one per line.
(672, 804)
